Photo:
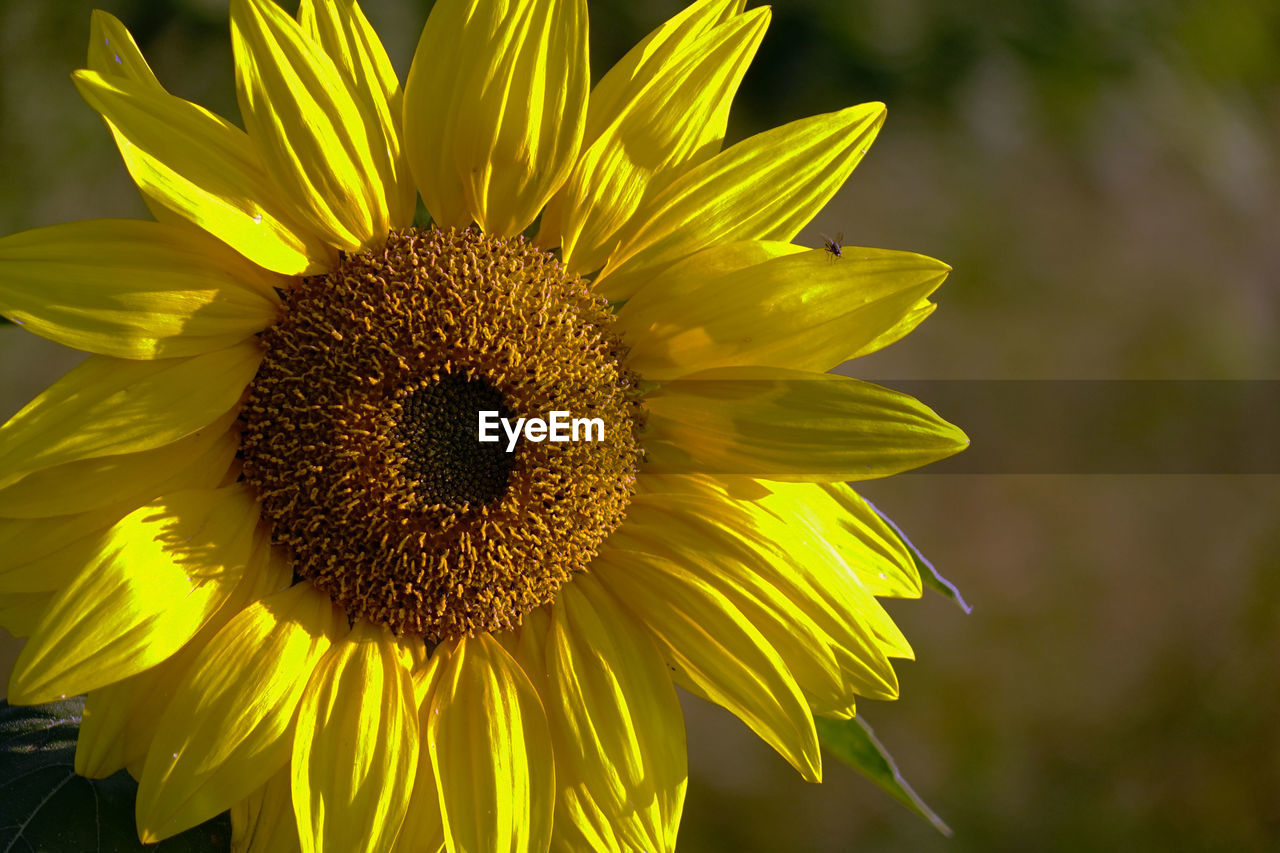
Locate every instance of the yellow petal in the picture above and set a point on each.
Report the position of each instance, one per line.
(205, 170)
(754, 560)
(617, 722)
(355, 751)
(806, 311)
(423, 828)
(494, 108)
(342, 30)
(156, 578)
(712, 646)
(781, 538)
(670, 122)
(20, 613)
(491, 751)
(27, 541)
(198, 461)
(790, 425)
(856, 531)
(113, 52)
(917, 315)
(133, 289)
(229, 728)
(764, 188)
(107, 406)
(264, 821)
(306, 126)
(120, 720)
(625, 80)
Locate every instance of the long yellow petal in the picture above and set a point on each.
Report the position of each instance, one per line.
(120, 720)
(112, 51)
(264, 822)
(133, 289)
(491, 752)
(790, 425)
(671, 122)
(917, 315)
(341, 29)
(848, 523)
(805, 311)
(130, 480)
(51, 551)
(752, 560)
(623, 82)
(107, 406)
(764, 188)
(781, 538)
(306, 126)
(27, 541)
(355, 751)
(494, 108)
(711, 645)
(617, 722)
(423, 828)
(204, 169)
(229, 728)
(20, 613)
(156, 578)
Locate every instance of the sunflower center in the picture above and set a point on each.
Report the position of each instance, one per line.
(361, 431)
(438, 423)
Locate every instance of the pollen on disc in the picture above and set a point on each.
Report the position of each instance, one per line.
(360, 431)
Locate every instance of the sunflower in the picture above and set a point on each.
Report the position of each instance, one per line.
(256, 525)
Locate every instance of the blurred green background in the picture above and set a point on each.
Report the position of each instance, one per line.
(1104, 176)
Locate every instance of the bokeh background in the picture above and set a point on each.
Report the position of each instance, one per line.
(1104, 176)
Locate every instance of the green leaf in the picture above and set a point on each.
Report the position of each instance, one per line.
(45, 806)
(853, 742)
(931, 576)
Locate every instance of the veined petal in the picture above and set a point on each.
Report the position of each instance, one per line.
(264, 822)
(341, 29)
(156, 578)
(204, 169)
(764, 188)
(844, 520)
(712, 646)
(130, 480)
(805, 311)
(494, 108)
(671, 122)
(917, 315)
(229, 728)
(120, 719)
(113, 52)
(782, 577)
(491, 751)
(107, 406)
(625, 80)
(52, 551)
(133, 289)
(790, 425)
(617, 723)
(306, 126)
(356, 748)
(423, 828)
(780, 539)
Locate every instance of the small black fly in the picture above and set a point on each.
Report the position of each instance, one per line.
(834, 246)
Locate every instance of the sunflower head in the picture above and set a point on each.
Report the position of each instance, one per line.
(360, 431)
(261, 527)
